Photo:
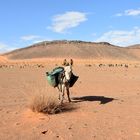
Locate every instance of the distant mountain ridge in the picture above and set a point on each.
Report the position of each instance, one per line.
(73, 49)
(136, 46)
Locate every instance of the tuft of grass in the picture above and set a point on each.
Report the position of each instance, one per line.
(45, 104)
(48, 104)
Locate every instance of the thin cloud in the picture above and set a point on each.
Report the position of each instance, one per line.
(119, 15)
(130, 12)
(94, 34)
(121, 37)
(29, 37)
(2, 45)
(61, 23)
(5, 48)
(41, 40)
(34, 38)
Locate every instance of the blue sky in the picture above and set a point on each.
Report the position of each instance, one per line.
(24, 22)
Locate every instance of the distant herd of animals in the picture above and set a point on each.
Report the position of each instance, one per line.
(21, 66)
(62, 76)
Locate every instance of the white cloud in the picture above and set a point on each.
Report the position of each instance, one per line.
(119, 14)
(61, 23)
(2, 47)
(5, 48)
(29, 37)
(121, 37)
(41, 40)
(94, 34)
(130, 12)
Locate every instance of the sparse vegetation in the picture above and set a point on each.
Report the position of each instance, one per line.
(45, 104)
(48, 104)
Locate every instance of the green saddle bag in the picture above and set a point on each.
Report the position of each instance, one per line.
(52, 77)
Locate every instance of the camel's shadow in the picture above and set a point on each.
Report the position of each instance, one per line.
(102, 99)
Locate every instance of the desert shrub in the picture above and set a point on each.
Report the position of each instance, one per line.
(45, 104)
(48, 104)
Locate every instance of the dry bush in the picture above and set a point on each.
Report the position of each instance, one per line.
(44, 104)
(48, 104)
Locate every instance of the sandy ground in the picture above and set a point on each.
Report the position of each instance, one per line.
(107, 101)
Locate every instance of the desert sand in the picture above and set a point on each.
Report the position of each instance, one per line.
(106, 99)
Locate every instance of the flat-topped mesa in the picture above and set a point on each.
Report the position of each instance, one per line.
(60, 41)
(68, 42)
(46, 43)
(73, 49)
